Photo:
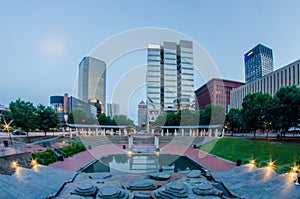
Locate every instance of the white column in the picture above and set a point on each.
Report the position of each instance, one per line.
(167, 132)
(216, 133)
(64, 131)
(175, 132)
(162, 132)
(204, 132)
(182, 132)
(104, 131)
(190, 132)
(119, 132)
(70, 130)
(89, 131)
(97, 131)
(223, 132)
(210, 132)
(152, 131)
(125, 132)
(71, 134)
(156, 142)
(111, 132)
(130, 142)
(134, 131)
(77, 133)
(82, 132)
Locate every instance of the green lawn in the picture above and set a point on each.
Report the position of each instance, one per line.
(284, 154)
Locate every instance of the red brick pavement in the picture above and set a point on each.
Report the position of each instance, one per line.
(211, 162)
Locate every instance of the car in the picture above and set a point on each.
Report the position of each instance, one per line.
(18, 132)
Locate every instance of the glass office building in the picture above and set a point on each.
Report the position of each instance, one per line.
(258, 62)
(92, 81)
(170, 75)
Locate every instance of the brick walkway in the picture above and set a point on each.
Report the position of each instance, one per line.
(211, 162)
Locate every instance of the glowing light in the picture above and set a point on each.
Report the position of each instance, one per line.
(14, 164)
(252, 162)
(129, 153)
(34, 162)
(295, 168)
(157, 153)
(271, 164)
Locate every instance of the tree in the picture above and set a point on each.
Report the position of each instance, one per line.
(24, 115)
(187, 117)
(234, 119)
(123, 120)
(287, 106)
(47, 118)
(256, 108)
(212, 115)
(105, 120)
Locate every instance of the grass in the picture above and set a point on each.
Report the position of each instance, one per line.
(284, 155)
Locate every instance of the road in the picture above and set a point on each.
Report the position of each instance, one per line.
(6, 135)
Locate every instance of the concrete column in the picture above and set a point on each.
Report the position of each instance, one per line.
(70, 130)
(167, 132)
(152, 131)
(190, 132)
(125, 132)
(64, 131)
(119, 132)
(204, 132)
(223, 132)
(89, 131)
(182, 132)
(97, 131)
(156, 142)
(134, 131)
(104, 130)
(162, 132)
(210, 132)
(71, 134)
(216, 133)
(111, 132)
(130, 142)
(82, 132)
(175, 132)
(77, 133)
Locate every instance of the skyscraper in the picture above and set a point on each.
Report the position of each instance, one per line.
(170, 75)
(142, 113)
(92, 81)
(258, 62)
(112, 109)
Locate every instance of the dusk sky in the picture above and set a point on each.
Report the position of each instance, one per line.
(42, 42)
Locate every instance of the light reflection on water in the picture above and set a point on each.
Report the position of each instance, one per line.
(142, 163)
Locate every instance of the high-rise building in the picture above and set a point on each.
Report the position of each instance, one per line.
(92, 81)
(288, 75)
(170, 75)
(142, 113)
(112, 109)
(258, 62)
(216, 91)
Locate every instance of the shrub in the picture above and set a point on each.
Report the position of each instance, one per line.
(45, 157)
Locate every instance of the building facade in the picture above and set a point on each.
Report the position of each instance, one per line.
(216, 91)
(170, 75)
(63, 105)
(258, 62)
(92, 81)
(112, 109)
(286, 76)
(142, 113)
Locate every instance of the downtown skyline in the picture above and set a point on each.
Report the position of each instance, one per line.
(43, 43)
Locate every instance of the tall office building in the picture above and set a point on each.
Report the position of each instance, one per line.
(170, 75)
(92, 81)
(112, 109)
(258, 62)
(142, 113)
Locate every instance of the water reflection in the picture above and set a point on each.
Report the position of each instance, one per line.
(139, 163)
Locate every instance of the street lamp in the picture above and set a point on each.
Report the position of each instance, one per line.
(7, 126)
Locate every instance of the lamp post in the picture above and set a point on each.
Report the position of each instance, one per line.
(7, 127)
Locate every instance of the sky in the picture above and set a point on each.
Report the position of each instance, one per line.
(42, 42)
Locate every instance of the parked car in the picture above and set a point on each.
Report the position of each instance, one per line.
(18, 132)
